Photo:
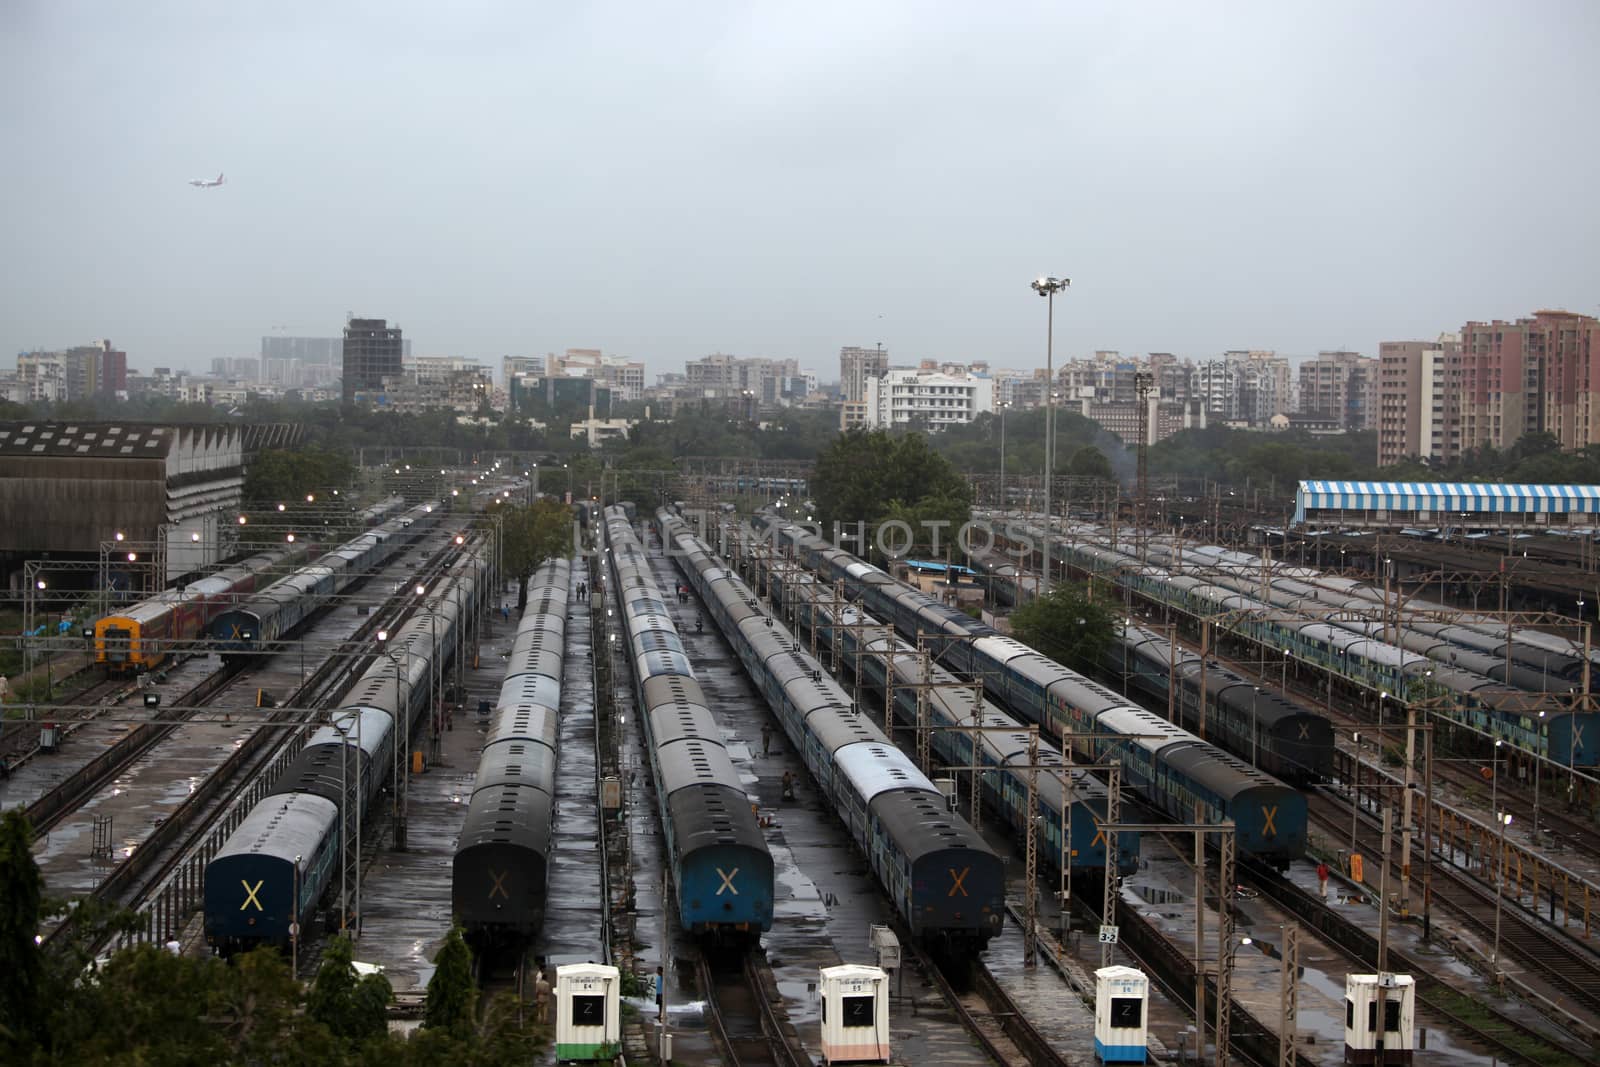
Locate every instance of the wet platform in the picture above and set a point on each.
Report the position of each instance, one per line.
(575, 915)
(405, 896)
(1442, 955)
(827, 899)
(44, 772)
(1163, 892)
(148, 791)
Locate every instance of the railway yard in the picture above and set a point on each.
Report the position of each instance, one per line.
(724, 756)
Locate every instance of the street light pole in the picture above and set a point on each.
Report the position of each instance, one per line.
(1355, 791)
(1048, 288)
(1504, 819)
(1255, 725)
(1002, 462)
(294, 923)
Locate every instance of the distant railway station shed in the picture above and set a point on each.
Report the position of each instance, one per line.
(1457, 507)
(66, 487)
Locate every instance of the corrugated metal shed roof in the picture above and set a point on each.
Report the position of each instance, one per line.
(1448, 496)
(100, 440)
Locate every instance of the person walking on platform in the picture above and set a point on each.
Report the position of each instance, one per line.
(541, 998)
(766, 739)
(788, 785)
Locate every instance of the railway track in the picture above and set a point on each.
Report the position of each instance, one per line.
(989, 1014)
(89, 779)
(743, 1018)
(1509, 1037)
(169, 858)
(1559, 960)
(21, 743)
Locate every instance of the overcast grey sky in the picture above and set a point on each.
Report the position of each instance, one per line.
(668, 180)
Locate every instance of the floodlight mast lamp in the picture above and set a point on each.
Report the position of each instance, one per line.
(1048, 287)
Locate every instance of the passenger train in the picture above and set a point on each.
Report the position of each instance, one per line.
(1174, 771)
(1255, 723)
(254, 627)
(940, 875)
(1002, 744)
(1489, 707)
(1516, 663)
(500, 875)
(722, 873)
(276, 866)
(147, 634)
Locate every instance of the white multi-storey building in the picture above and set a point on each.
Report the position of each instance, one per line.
(931, 399)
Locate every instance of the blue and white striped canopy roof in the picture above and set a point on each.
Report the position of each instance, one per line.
(1444, 497)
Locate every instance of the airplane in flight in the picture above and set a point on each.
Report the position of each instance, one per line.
(202, 183)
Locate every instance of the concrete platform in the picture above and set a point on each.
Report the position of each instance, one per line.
(43, 773)
(405, 896)
(575, 916)
(827, 899)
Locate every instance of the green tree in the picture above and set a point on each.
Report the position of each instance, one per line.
(20, 894)
(862, 475)
(284, 476)
(352, 1007)
(452, 994)
(534, 535)
(1067, 626)
(1090, 462)
(255, 1002)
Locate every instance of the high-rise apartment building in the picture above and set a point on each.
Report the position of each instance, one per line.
(373, 351)
(1489, 386)
(1340, 387)
(927, 398)
(1535, 375)
(624, 377)
(74, 373)
(1417, 416)
(857, 366)
(520, 367)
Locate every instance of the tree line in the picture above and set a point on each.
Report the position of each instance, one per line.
(146, 1005)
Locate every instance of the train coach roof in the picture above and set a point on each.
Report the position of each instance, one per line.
(283, 825)
(527, 722)
(678, 720)
(647, 603)
(1263, 705)
(836, 726)
(663, 661)
(508, 814)
(1083, 692)
(694, 761)
(657, 641)
(516, 762)
(1153, 732)
(1217, 771)
(535, 689)
(919, 824)
(369, 730)
(1002, 649)
(672, 689)
(876, 766)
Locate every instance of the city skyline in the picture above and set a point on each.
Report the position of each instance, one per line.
(781, 183)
